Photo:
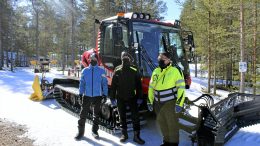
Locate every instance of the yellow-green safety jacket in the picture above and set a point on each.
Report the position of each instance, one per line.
(166, 85)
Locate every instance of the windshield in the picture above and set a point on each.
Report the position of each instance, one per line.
(154, 39)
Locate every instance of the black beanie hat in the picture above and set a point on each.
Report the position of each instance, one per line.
(125, 54)
(166, 53)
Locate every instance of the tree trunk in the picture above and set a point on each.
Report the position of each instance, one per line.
(215, 84)
(12, 59)
(94, 24)
(209, 52)
(7, 59)
(126, 6)
(36, 9)
(12, 39)
(242, 53)
(72, 32)
(141, 7)
(17, 58)
(63, 51)
(227, 78)
(231, 66)
(254, 44)
(1, 50)
(37, 35)
(196, 63)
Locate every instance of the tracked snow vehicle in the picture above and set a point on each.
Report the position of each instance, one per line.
(140, 36)
(143, 38)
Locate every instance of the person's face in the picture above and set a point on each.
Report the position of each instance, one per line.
(92, 58)
(164, 58)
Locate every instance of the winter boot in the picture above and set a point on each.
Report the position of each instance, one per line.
(80, 133)
(165, 143)
(169, 144)
(137, 138)
(124, 136)
(173, 144)
(95, 134)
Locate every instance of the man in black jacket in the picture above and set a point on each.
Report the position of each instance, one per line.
(127, 88)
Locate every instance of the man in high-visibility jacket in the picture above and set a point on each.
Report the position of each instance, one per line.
(167, 94)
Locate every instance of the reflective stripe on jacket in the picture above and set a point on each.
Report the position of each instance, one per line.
(93, 82)
(166, 85)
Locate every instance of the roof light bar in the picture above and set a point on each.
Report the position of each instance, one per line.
(147, 16)
(135, 15)
(121, 14)
(141, 16)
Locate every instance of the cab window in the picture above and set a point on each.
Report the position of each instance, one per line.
(111, 51)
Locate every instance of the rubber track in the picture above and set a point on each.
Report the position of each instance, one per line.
(66, 107)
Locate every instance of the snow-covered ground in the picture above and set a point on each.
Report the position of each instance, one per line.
(49, 125)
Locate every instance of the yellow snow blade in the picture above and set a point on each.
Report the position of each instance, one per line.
(54, 62)
(37, 95)
(33, 62)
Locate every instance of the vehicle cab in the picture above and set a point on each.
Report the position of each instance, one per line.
(144, 38)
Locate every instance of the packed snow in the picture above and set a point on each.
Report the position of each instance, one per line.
(48, 124)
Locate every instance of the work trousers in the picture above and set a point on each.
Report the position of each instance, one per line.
(167, 120)
(132, 103)
(89, 102)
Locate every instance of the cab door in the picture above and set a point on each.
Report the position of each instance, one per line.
(112, 43)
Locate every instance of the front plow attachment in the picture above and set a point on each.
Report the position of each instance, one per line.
(217, 123)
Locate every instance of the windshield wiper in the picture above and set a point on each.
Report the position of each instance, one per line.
(145, 55)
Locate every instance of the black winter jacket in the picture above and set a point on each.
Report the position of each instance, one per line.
(126, 83)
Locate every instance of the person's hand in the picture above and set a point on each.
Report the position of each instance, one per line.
(150, 107)
(139, 101)
(178, 108)
(113, 101)
(80, 99)
(188, 101)
(104, 98)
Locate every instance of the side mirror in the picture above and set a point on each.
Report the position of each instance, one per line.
(97, 21)
(190, 39)
(191, 54)
(117, 33)
(190, 45)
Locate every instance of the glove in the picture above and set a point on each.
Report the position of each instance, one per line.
(104, 98)
(187, 101)
(150, 107)
(178, 109)
(139, 101)
(113, 101)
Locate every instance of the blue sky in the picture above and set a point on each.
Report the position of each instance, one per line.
(174, 10)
